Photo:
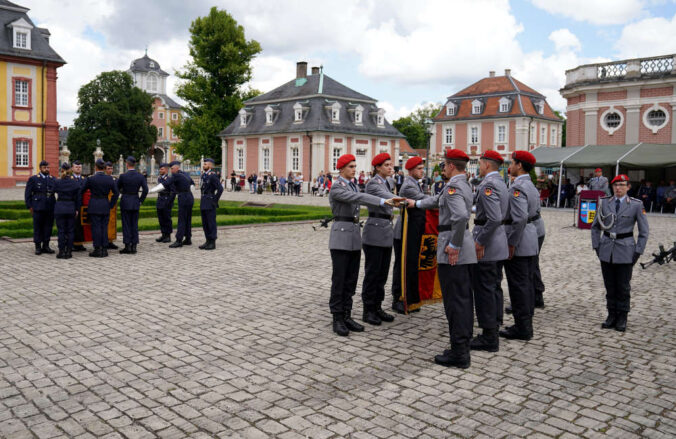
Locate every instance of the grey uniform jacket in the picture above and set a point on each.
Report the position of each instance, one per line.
(455, 207)
(378, 231)
(539, 224)
(345, 202)
(409, 189)
(524, 203)
(621, 251)
(491, 200)
(599, 184)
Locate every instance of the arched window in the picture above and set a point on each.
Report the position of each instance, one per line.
(152, 83)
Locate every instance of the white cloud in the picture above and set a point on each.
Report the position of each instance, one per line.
(599, 12)
(565, 40)
(649, 37)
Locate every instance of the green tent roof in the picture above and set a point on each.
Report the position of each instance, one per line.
(637, 155)
(651, 155)
(547, 156)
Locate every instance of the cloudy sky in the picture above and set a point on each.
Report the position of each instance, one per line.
(405, 53)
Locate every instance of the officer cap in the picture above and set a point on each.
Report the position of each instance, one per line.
(621, 177)
(100, 162)
(210, 160)
(456, 154)
(44, 163)
(131, 160)
(344, 160)
(413, 162)
(164, 165)
(380, 159)
(492, 155)
(175, 163)
(77, 162)
(65, 166)
(109, 164)
(524, 156)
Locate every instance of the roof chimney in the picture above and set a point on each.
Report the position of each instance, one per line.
(491, 74)
(301, 70)
(508, 72)
(315, 70)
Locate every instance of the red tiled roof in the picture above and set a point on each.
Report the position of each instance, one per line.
(484, 86)
(404, 147)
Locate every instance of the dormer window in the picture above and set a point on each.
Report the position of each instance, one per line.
(268, 115)
(540, 106)
(242, 117)
(21, 34)
(358, 115)
(380, 118)
(151, 65)
(21, 40)
(450, 109)
(504, 105)
(476, 106)
(297, 112)
(335, 112)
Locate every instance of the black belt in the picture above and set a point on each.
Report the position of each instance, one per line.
(619, 235)
(534, 218)
(161, 195)
(510, 221)
(380, 215)
(448, 227)
(100, 196)
(130, 193)
(66, 199)
(480, 222)
(347, 219)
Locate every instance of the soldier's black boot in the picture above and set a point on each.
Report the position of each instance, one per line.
(69, 253)
(539, 300)
(487, 341)
(621, 322)
(187, 241)
(61, 254)
(371, 317)
(104, 252)
(111, 246)
(508, 309)
(79, 248)
(351, 324)
(166, 238)
(38, 249)
(339, 325)
(133, 249)
(385, 317)
(201, 247)
(398, 307)
(96, 253)
(210, 245)
(522, 330)
(176, 244)
(611, 320)
(46, 249)
(126, 250)
(161, 238)
(457, 356)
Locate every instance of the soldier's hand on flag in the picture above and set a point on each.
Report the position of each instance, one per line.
(479, 250)
(452, 254)
(394, 201)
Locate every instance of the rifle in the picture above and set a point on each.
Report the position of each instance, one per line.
(323, 223)
(662, 257)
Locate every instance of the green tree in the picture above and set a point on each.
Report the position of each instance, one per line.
(115, 112)
(214, 81)
(413, 125)
(563, 128)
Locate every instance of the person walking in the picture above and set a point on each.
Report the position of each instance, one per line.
(129, 185)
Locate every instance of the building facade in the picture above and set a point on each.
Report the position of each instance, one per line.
(29, 131)
(499, 113)
(167, 113)
(621, 102)
(304, 126)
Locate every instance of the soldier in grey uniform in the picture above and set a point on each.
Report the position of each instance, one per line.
(455, 257)
(612, 236)
(345, 242)
(490, 241)
(538, 285)
(377, 242)
(410, 189)
(522, 239)
(598, 182)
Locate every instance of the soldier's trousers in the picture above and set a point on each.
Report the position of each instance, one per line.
(456, 291)
(396, 272)
(500, 311)
(184, 227)
(78, 233)
(99, 229)
(376, 270)
(65, 226)
(43, 221)
(343, 279)
(130, 226)
(538, 285)
(519, 280)
(164, 218)
(487, 297)
(617, 279)
(209, 224)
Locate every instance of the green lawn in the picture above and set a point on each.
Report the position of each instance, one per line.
(17, 221)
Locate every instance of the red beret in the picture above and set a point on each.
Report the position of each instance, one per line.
(524, 156)
(344, 160)
(621, 177)
(456, 154)
(413, 162)
(380, 159)
(492, 155)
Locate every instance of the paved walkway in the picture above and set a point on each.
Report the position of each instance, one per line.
(237, 343)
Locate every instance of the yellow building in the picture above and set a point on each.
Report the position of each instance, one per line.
(29, 131)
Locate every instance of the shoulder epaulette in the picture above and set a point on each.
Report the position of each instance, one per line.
(636, 199)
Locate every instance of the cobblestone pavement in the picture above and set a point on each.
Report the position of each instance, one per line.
(237, 343)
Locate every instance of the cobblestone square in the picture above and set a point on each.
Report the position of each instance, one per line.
(237, 342)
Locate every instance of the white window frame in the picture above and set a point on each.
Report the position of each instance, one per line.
(297, 112)
(242, 118)
(504, 105)
(602, 120)
(21, 39)
(262, 147)
(151, 82)
(23, 156)
(160, 114)
(471, 141)
(477, 106)
(21, 92)
(543, 134)
(174, 116)
(448, 128)
(646, 122)
(359, 115)
(240, 157)
(160, 132)
(532, 134)
(21, 26)
(504, 134)
(335, 112)
(336, 152)
(289, 154)
(269, 115)
(380, 118)
(450, 109)
(553, 135)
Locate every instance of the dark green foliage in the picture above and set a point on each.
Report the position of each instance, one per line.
(413, 126)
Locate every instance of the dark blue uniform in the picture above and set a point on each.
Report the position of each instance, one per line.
(179, 183)
(165, 202)
(129, 184)
(211, 192)
(98, 211)
(39, 196)
(67, 204)
(78, 236)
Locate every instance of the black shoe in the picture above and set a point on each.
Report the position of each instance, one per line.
(487, 341)
(69, 254)
(61, 254)
(176, 244)
(38, 249)
(621, 322)
(167, 239)
(339, 326)
(351, 324)
(46, 249)
(210, 245)
(455, 357)
(385, 317)
(126, 250)
(610, 322)
(133, 249)
(96, 253)
(161, 238)
(539, 301)
(79, 248)
(112, 246)
(372, 318)
(508, 309)
(201, 247)
(187, 241)
(398, 307)
(104, 252)
(516, 333)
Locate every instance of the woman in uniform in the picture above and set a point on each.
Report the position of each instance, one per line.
(345, 242)
(67, 205)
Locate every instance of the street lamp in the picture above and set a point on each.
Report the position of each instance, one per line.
(428, 132)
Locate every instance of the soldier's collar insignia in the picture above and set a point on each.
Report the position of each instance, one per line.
(451, 191)
(488, 191)
(517, 193)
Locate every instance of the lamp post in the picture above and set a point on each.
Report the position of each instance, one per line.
(428, 132)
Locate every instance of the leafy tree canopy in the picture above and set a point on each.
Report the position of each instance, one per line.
(563, 127)
(413, 125)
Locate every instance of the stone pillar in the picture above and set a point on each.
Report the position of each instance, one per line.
(396, 154)
(151, 174)
(51, 126)
(142, 163)
(98, 153)
(224, 163)
(590, 127)
(317, 157)
(633, 123)
(522, 134)
(120, 164)
(202, 162)
(64, 154)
